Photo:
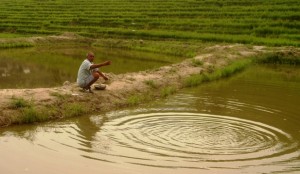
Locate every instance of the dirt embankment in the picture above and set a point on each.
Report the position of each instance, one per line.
(44, 40)
(122, 90)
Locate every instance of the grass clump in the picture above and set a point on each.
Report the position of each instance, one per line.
(18, 103)
(31, 115)
(165, 92)
(194, 80)
(233, 68)
(134, 100)
(74, 109)
(27, 112)
(196, 62)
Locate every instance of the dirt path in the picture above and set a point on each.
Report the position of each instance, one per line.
(120, 88)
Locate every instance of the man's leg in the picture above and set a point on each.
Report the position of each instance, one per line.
(96, 76)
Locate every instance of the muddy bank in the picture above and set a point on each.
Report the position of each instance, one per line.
(65, 38)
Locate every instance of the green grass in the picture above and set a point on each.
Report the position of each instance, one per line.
(74, 109)
(11, 35)
(197, 62)
(186, 49)
(227, 71)
(165, 92)
(17, 103)
(134, 100)
(291, 58)
(273, 23)
(137, 99)
(27, 111)
(16, 45)
(31, 115)
(288, 58)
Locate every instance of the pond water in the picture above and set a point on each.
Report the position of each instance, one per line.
(248, 123)
(51, 66)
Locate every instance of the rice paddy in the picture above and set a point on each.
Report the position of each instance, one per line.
(274, 23)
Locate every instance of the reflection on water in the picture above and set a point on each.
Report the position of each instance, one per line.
(245, 124)
(48, 67)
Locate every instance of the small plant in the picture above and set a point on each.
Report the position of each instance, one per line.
(151, 83)
(134, 100)
(74, 109)
(167, 91)
(31, 115)
(51, 111)
(196, 62)
(210, 69)
(193, 80)
(17, 103)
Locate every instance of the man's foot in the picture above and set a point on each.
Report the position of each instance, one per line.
(90, 90)
(87, 90)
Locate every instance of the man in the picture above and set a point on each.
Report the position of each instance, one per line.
(89, 73)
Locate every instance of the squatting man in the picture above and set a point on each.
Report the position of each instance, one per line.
(89, 73)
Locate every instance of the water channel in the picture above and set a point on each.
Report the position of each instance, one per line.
(248, 123)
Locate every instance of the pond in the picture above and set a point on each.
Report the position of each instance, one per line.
(52, 66)
(248, 123)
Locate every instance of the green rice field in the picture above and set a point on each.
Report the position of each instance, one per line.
(274, 22)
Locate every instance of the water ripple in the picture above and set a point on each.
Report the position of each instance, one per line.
(187, 138)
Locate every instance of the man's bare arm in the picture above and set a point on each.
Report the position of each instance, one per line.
(102, 75)
(100, 64)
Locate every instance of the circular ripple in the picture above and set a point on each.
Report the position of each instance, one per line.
(198, 137)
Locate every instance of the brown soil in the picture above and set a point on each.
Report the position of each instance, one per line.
(121, 87)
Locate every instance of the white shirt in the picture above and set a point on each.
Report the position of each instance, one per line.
(84, 72)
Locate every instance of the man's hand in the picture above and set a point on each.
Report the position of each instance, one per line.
(107, 62)
(105, 78)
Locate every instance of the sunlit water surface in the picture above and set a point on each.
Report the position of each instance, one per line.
(245, 124)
